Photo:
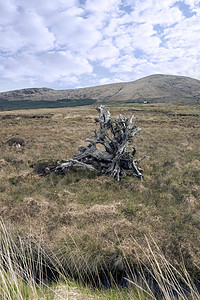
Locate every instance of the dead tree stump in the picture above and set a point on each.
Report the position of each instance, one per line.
(117, 159)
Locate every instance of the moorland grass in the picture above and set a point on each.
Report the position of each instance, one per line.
(91, 222)
(30, 270)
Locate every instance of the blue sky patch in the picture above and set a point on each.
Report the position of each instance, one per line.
(185, 9)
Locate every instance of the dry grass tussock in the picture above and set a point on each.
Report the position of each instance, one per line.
(30, 270)
(91, 221)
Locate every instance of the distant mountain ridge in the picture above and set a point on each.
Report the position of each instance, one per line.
(154, 88)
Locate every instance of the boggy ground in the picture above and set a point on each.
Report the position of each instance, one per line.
(90, 220)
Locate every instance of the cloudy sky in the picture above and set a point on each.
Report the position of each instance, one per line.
(77, 43)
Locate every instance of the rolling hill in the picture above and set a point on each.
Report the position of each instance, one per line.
(154, 89)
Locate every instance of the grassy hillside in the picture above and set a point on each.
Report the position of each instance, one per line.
(154, 89)
(94, 225)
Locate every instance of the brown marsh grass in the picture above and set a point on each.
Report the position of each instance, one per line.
(91, 221)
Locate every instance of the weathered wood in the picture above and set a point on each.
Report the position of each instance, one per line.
(117, 159)
(62, 167)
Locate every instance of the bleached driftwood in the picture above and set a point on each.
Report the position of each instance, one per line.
(117, 159)
(62, 167)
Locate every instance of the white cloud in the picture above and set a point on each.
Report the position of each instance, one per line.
(26, 31)
(55, 65)
(11, 40)
(19, 67)
(127, 64)
(47, 67)
(35, 35)
(75, 32)
(157, 12)
(192, 3)
(102, 6)
(45, 8)
(7, 12)
(58, 42)
(105, 50)
(123, 42)
(174, 51)
(182, 36)
(143, 37)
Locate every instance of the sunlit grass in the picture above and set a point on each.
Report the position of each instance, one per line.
(92, 208)
(28, 270)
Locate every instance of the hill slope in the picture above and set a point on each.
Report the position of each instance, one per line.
(154, 88)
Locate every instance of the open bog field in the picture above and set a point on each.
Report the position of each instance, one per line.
(98, 227)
